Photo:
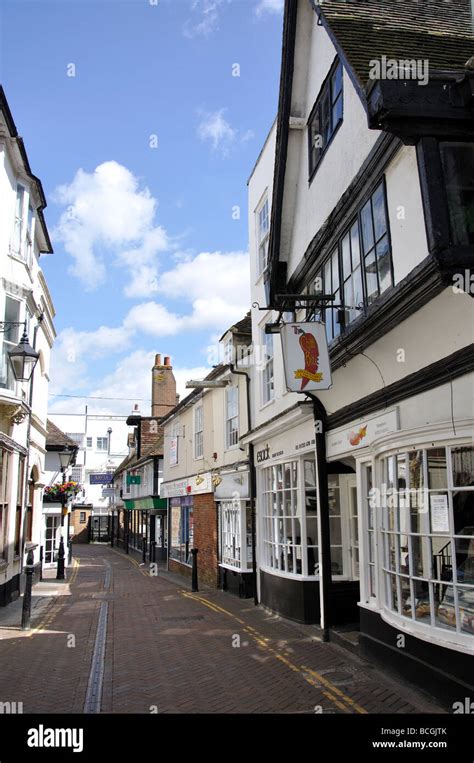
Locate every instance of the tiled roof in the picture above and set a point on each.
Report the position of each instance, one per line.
(56, 437)
(440, 31)
(241, 327)
(213, 374)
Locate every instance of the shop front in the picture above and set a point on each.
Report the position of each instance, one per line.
(289, 524)
(415, 554)
(231, 492)
(146, 521)
(192, 524)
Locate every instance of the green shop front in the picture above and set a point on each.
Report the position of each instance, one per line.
(145, 522)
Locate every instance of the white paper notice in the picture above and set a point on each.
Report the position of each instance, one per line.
(439, 513)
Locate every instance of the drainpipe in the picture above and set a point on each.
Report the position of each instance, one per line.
(252, 483)
(320, 424)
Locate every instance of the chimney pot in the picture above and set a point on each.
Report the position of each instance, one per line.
(167, 360)
(157, 360)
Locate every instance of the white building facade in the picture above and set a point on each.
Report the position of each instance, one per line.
(378, 215)
(24, 298)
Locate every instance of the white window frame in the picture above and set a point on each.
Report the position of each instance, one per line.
(102, 439)
(231, 421)
(198, 438)
(262, 214)
(9, 344)
(267, 393)
(89, 442)
(18, 236)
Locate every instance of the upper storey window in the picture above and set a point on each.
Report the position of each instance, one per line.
(263, 234)
(325, 117)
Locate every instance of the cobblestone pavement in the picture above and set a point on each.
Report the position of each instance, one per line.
(120, 641)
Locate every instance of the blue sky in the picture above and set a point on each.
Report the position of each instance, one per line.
(144, 141)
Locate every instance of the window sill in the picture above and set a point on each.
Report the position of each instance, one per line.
(265, 405)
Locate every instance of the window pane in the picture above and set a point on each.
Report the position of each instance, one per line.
(337, 112)
(355, 245)
(458, 167)
(326, 119)
(357, 289)
(378, 207)
(463, 466)
(384, 264)
(336, 82)
(437, 474)
(367, 230)
(371, 277)
(346, 256)
(327, 277)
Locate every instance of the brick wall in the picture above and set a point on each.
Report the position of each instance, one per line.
(181, 569)
(205, 538)
(151, 433)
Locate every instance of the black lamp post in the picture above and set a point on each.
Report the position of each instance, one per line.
(65, 457)
(23, 359)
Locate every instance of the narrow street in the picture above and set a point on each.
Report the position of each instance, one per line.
(122, 641)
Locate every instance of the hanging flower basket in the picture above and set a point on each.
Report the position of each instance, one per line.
(61, 491)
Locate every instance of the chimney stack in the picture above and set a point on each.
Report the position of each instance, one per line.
(163, 387)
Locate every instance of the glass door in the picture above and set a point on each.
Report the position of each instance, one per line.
(51, 539)
(353, 527)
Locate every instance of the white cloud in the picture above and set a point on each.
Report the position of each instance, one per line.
(269, 6)
(215, 128)
(129, 382)
(152, 318)
(204, 18)
(108, 213)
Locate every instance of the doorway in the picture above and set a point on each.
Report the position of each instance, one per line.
(51, 539)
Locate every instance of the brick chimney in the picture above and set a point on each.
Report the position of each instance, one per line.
(163, 387)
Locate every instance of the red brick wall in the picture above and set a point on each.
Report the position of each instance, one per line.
(205, 537)
(181, 569)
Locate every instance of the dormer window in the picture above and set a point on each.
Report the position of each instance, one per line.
(325, 117)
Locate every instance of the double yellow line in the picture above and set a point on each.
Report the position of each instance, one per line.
(312, 677)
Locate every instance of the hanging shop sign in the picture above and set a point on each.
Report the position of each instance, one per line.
(101, 479)
(305, 357)
(361, 433)
(231, 485)
(173, 451)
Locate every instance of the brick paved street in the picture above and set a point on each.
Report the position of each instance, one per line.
(170, 651)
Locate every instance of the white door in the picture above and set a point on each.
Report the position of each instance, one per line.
(52, 536)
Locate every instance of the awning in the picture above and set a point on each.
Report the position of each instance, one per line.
(150, 502)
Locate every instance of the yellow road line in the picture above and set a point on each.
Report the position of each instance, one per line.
(327, 688)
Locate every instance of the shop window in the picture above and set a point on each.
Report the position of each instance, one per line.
(236, 535)
(458, 167)
(4, 463)
(182, 529)
(289, 536)
(427, 533)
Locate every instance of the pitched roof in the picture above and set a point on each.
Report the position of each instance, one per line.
(440, 31)
(213, 374)
(241, 327)
(56, 438)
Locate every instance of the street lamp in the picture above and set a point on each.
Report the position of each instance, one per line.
(23, 358)
(66, 457)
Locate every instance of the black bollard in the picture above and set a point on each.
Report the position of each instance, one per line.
(144, 549)
(153, 551)
(41, 561)
(194, 578)
(70, 551)
(26, 612)
(60, 573)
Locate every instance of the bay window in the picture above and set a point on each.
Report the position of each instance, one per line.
(458, 167)
(11, 337)
(427, 535)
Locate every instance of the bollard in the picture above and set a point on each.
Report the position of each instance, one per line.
(41, 561)
(26, 612)
(153, 551)
(70, 551)
(60, 573)
(144, 549)
(194, 578)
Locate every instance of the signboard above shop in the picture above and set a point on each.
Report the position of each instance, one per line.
(361, 433)
(104, 478)
(305, 357)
